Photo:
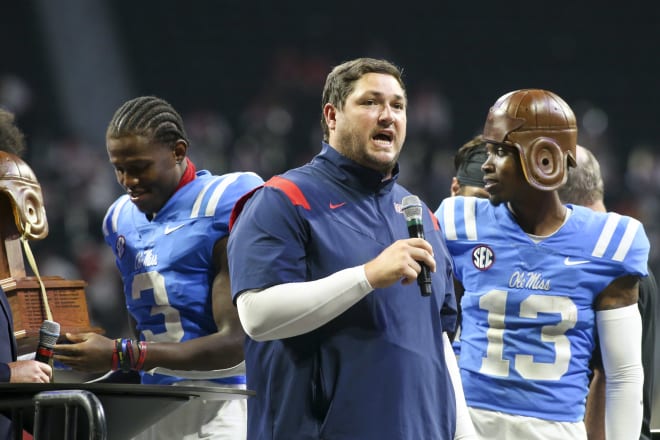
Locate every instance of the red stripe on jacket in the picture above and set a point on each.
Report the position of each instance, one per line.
(286, 186)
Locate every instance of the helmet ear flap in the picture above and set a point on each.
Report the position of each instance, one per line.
(545, 165)
(33, 213)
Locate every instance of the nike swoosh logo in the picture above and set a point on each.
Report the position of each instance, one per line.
(569, 262)
(338, 205)
(169, 230)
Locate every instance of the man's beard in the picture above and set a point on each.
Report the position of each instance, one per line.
(353, 148)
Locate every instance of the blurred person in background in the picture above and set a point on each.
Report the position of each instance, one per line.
(12, 370)
(169, 236)
(538, 277)
(469, 178)
(585, 187)
(341, 343)
(468, 181)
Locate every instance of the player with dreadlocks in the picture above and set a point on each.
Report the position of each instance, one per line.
(169, 236)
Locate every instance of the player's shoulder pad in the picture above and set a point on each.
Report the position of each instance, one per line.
(614, 236)
(111, 218)
(458, 216)
(222, 192)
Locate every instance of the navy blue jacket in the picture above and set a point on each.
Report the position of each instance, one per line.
(377, 370)
(7, 353)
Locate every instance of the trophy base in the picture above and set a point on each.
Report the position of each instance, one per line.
(66, 300)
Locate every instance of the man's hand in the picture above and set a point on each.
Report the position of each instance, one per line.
(30, 372)
(400, 261)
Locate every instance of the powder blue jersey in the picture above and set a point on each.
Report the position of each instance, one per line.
(166, 264)
(528, 320)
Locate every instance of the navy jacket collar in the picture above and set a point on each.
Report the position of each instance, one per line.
(351, 173)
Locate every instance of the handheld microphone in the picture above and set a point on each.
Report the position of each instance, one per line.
(412, 210)
(49, 333)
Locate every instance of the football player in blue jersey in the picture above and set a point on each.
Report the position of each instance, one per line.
(341, 343)
(539, 277)
(585, 187)
(169, 236)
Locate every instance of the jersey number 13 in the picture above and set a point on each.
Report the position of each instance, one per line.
(494, 364)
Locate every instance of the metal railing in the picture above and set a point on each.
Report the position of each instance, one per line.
(71, 400)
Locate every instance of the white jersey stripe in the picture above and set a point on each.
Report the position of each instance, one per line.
(219, 191)
(448, 218)
(116, 212)
(194, 213)
(470, 218)
(606, 235)
(627, 240)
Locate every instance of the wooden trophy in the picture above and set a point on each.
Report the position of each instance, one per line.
(32, 299)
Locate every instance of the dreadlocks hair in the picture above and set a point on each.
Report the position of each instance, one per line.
(12, 139)
(148, 116)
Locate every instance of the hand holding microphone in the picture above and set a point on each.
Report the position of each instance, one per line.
(398, 262)
(29, 371)
(39, 369)
(412, 210)
(49, 333)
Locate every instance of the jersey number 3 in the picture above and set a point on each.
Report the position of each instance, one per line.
(154, 281)
(494, 364)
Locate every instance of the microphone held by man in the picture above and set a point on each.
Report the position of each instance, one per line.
(49, 333)
(412, 210)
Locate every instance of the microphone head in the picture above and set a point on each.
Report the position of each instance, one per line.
(49, 333)
(411, 207)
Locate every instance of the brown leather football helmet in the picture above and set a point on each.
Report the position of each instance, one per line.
(20, 185)
(542, 127)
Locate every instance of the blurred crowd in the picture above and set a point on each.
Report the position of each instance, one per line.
(279, 129)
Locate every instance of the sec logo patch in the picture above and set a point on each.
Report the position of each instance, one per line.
(483, 257)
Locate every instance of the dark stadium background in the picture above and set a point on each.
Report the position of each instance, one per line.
(247, 78)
